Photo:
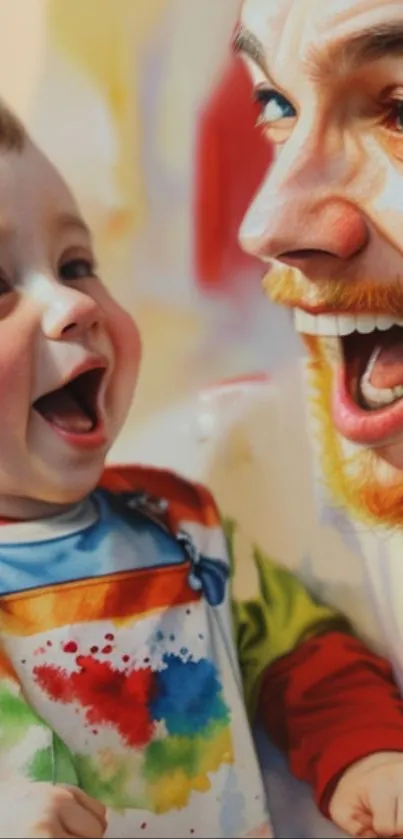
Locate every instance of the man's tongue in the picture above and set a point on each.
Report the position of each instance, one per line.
(62, 409)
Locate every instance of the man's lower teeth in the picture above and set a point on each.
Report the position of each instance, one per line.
(375, 397)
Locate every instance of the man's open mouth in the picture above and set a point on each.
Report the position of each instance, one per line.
(367, 399)
(74, 408)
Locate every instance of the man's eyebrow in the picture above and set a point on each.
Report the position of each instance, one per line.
(376, 42)
(246, 43)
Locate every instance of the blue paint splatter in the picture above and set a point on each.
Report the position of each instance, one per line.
(188, 697)
(159, 635)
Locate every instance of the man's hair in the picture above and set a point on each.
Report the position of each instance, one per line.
(12, 133)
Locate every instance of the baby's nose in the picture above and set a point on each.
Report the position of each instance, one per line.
(70, 313)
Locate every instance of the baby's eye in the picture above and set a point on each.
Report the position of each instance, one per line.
(77, 269)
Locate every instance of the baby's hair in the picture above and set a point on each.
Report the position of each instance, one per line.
(12, 133)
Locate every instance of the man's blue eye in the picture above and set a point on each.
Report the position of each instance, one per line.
(274, 106)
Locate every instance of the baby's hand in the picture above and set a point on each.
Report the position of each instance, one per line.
(368, 800)
(50, 812)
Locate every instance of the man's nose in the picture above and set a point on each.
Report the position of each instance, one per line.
(68, 313)
(300, 217)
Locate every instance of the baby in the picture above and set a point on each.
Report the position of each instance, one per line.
(129, 673)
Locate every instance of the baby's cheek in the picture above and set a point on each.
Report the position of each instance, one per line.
(14, 370)
(126, 341)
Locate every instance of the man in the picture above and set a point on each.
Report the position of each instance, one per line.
(328, 219)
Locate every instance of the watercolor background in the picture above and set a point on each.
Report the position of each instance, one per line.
(142, 108)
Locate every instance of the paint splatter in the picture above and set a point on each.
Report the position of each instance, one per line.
(109, 696)
(109, 636)
(125, 658)
(188, 696)
(107, 649)
(94, 650)
(184, 700)
(70, 647)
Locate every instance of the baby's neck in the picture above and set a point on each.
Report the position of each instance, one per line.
(28, 509)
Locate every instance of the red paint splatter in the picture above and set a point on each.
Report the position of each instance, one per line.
(95, 731)
(109, 696)
(70, 647)
(109, 637)
(94, 650)
(125, 658)
(108, 649)
(49, 643)
(143, 826)
(80, 660)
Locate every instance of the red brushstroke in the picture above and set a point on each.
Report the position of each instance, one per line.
(232, 157)
(109, 696)
(70, 647)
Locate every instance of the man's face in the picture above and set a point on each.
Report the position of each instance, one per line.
(328, 219)
(68, 353)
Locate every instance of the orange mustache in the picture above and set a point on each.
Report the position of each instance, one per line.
(289, 287)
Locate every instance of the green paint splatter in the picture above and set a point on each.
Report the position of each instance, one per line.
(41, 766)
(179, 753)
(16, 719)
(112, 788)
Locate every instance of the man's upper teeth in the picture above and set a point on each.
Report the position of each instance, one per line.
(331, 325)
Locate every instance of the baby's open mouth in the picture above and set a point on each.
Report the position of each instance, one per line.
(74, 408)
(367, 399)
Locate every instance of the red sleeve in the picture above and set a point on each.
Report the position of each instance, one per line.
(328, 704)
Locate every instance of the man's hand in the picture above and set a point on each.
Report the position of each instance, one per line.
(368, 800)
(44, 811)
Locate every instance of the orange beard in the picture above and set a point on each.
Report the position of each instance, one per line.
(356, 478)
(289, 287)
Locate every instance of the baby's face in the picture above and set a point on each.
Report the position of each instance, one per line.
(69, 354)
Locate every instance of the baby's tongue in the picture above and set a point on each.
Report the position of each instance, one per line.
(62, 409)
(388, 368)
